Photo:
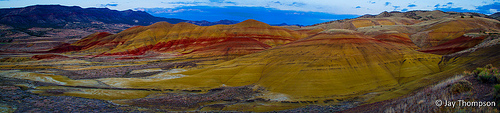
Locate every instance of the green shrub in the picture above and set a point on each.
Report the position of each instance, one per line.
(485, 76)
(496, 74)
(488, 74)
(497, 87)
(478, 70)
(496, 93)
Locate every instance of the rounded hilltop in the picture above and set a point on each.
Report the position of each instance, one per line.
(252, 23)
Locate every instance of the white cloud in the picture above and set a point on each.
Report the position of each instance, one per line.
(493, 11)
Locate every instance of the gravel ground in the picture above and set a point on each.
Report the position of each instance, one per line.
(320, 109)
(17, 99)
(179, 101)
(24, 101)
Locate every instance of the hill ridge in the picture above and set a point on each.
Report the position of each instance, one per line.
(186, 38)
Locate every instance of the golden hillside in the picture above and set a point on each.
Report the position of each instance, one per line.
(324, 66)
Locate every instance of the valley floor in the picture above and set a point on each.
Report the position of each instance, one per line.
(15, 98)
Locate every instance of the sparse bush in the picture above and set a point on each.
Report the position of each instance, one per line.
(489, 66)
(468, 73)
(461, 86)
(490, 74)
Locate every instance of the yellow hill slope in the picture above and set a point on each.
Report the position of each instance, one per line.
(335, 64)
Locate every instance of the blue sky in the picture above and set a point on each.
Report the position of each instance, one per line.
(304, 12)
(267, 15)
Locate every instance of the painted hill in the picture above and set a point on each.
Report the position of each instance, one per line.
(335, 64)
(438, 36)
(327, 65)
(443, 37)
(187, 39)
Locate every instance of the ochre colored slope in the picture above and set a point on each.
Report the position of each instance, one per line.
(483, 54)
(455, 45)
(486, 52)
(443, 36)
(434, 33)
(326, 65)
(85, 43)
(186, 38)
(397, 39)
(231, 46)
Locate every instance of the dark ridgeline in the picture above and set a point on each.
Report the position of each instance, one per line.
(422, 15)
(207, 23)
(495, 16)
(56, 16)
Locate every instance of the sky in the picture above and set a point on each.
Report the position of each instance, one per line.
(304, 12)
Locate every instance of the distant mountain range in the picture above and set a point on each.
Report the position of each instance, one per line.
(207, 23)
(59, 16)
(424, 15)
(41, 27)
(55, 16)
(421, 15)
(285, 24)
